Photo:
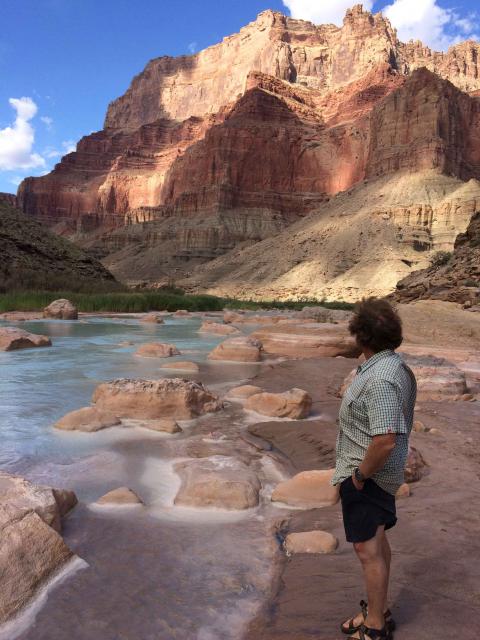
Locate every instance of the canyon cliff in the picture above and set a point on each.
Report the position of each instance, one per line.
(209, 154)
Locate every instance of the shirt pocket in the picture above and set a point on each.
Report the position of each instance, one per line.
(355, 405)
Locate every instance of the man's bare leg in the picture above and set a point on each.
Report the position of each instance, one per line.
(373, 554)
(387, 555)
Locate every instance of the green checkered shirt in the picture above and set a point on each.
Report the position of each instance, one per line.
(380, 400)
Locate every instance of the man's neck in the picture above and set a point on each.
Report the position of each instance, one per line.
(368, 353)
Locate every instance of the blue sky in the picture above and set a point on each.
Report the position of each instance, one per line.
(63, 61)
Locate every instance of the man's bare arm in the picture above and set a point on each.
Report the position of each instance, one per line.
(376, 456)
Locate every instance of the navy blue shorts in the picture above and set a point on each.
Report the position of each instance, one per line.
(364, 511)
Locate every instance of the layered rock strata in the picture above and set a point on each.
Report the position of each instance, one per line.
(207, 152)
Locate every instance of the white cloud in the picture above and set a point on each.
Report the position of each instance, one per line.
(47, 121)
(323, 11)
(16, 141)
(427, 21)
(69, 146)
(192, 47)
(423, 20)
(16, 180)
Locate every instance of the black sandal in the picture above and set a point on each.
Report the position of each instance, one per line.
(390, 624)
(374, 634)
(352, 627)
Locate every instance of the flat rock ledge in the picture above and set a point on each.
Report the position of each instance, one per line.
(61, 309)
(157, 350)
(241, 349)
(12, 339)
(217, 482)
(295, 404)
(308, 340)
(32, 550)
(307, 490)
(120, 497)
(152, 399)
(310, 542)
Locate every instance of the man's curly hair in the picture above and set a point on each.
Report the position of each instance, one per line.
(376, 325)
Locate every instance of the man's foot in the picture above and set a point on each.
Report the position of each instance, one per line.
(353, 624)
(370, 633)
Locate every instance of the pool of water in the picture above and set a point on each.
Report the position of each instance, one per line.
(154, 572)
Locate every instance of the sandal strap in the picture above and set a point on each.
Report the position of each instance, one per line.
(364, 607)
(373, 634)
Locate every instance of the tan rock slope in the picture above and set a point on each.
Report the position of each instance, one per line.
(205, 154)
(456, 278)
(360, 243)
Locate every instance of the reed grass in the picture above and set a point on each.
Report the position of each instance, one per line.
(136, 302)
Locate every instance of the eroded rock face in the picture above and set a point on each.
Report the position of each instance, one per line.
(295, 404)
(61, 309)
(12, 339)
(241, 349)
(221, 482)
(309, 340)
(152, 399)
(32, 550)
(307, 490)
(457, 279)
(157, 350)
(314, 106)
(87, 419)
(218, 329)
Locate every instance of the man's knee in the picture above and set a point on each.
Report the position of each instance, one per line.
(366, 551)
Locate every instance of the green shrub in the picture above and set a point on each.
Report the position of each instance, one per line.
(440, 258)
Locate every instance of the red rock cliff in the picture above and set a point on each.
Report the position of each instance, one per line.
(246, 136)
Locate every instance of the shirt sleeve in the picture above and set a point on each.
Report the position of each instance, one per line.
(385, 409)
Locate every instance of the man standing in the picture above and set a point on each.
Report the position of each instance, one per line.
(376, 418)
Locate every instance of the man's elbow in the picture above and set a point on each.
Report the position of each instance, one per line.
(386, 443)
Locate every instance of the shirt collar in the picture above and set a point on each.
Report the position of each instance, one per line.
(375, 358)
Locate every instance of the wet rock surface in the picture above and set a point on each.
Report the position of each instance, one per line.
(295, 404)
(122, 496)
(221, 482)
(32, 549)
(218, 329)
(157, 350)
(241, 349)
(12, 339)
(150, 399)
(87, 419)
(61, 309)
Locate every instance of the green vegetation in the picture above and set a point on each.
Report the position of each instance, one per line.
(166, 299)
(440, 258)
